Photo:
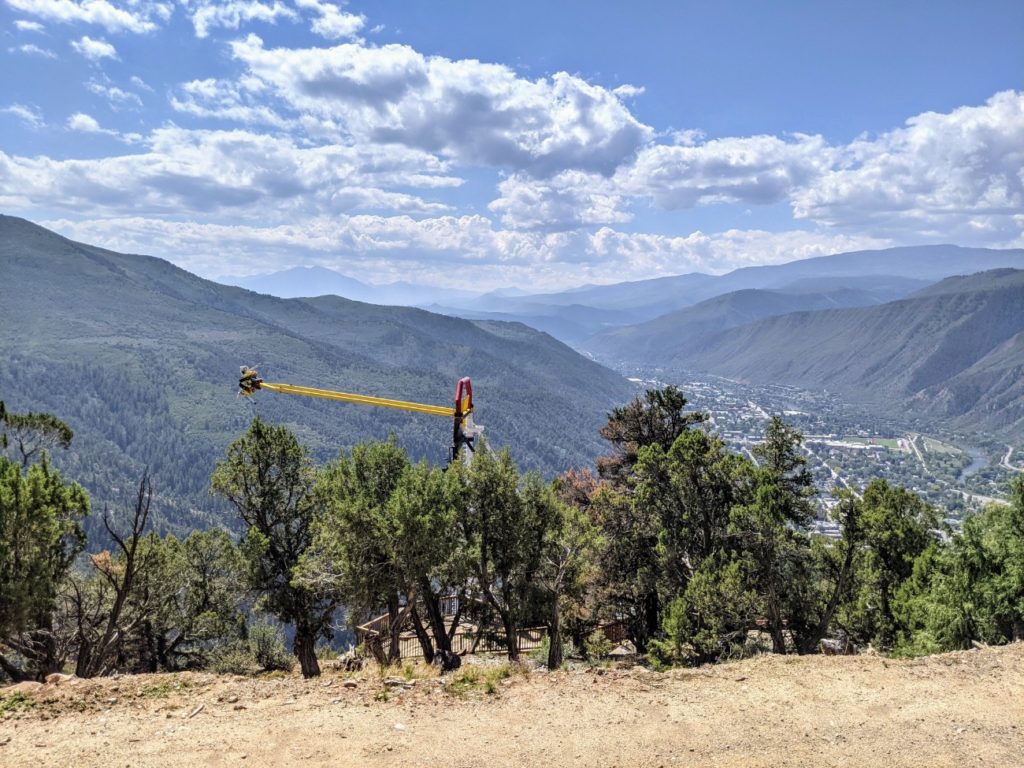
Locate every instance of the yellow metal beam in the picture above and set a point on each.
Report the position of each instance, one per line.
(403, 405)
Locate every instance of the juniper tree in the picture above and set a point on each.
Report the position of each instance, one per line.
(40, 536)
(268, 478)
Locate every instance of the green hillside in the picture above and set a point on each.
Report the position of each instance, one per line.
(141, 359)
(644, 341)
(954, 351)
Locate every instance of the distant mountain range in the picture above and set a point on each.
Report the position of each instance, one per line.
(141, 359)
(953, 351)
(304, 282)
(644, 341)
(574, 316)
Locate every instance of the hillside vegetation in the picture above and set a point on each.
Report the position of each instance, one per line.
(140, 358)
(648, 341)
(954, 351)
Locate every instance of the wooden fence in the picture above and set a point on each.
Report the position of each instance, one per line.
(529, 640)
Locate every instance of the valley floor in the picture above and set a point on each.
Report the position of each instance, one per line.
(960, 709)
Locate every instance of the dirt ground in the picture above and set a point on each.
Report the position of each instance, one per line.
(960, 709)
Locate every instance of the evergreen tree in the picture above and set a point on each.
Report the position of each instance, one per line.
(269, 480)
(40, 536)
(505, 523)
(897, 527)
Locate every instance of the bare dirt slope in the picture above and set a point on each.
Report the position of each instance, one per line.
(961, 709)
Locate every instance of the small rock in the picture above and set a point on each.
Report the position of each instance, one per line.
(57, 678)
(350, 684)
(288, 701)
(111, 702)
(328, 684)
(5, 740)
(399, 727)
(238, 707)
(231, 699)
(195, 711)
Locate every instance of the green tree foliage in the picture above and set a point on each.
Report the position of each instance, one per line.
(505, 522)
(657, 418)
(385, 538)
(201, 583)
(424, 510)
(33, 434)
(896, 528)
(568, 566)
(971, 590)
(269, 480)
(684, 496)
(770, 531)
(630, 563)
(40, 536)
(711, 619)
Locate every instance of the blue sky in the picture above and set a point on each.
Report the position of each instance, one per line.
(541, 145)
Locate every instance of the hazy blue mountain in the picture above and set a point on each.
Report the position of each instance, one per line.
(304, 281)
(899, 271)
(572, 324)
(646, 341)
(953, 351)
(299, 282)
(141, 359)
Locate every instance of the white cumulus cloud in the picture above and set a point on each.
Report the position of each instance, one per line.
(24, 25)
(957, 176)
(231, 14)
(31, 49)
(236, 173)
(751, 170)
(117, 97)
(94, 50)
(331, 22)
(567, 201)
(135, 16)
(402, 247)
(31, 116)
(470, 111)
(83, 123)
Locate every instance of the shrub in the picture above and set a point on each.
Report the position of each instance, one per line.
(325, 652)
(233, 659)
(540, 653)
(597, 645)
(266, 644)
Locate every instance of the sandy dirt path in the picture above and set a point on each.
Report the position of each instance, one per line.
(961, 709)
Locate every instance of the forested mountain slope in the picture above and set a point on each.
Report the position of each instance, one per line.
(953, 351)
(141, 359)
(644, 340)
